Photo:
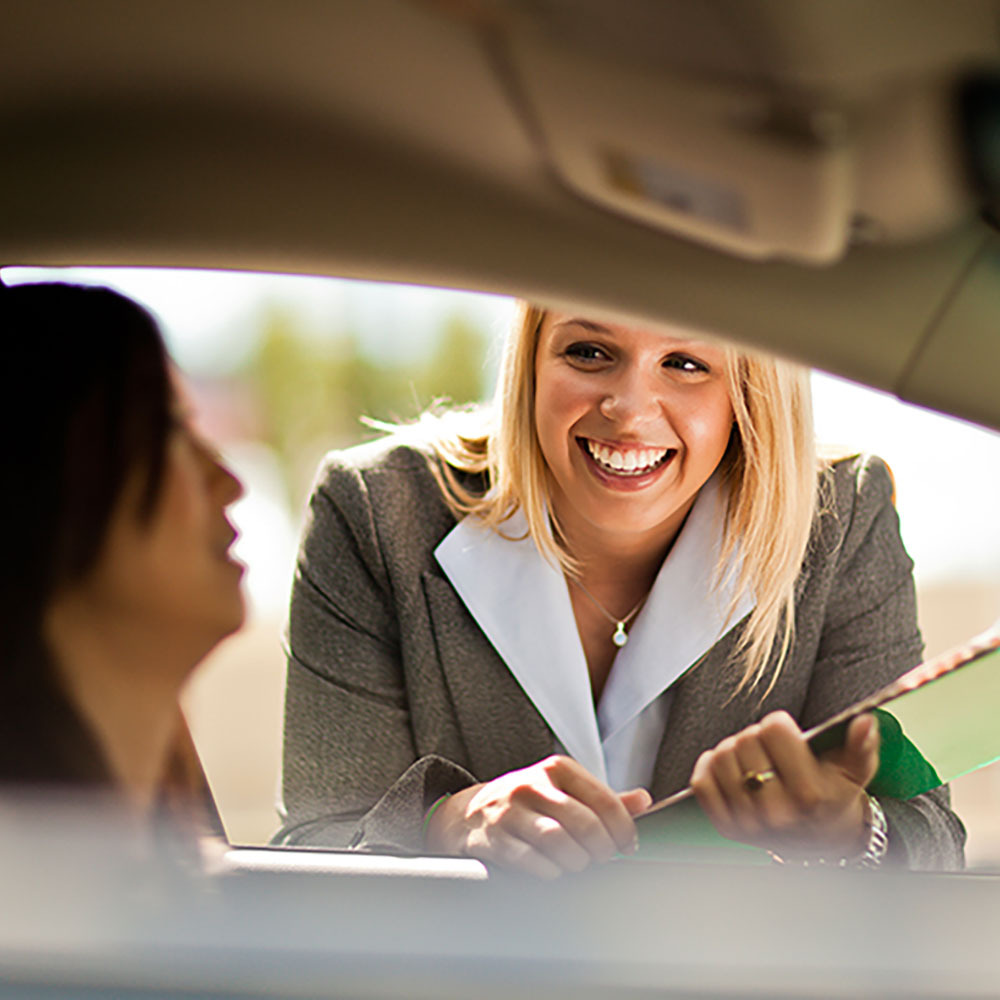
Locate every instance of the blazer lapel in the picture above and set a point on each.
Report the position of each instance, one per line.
(537, 675)
(501, 728)
(520, 602)
(703, 712)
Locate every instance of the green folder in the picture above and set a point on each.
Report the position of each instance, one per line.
(936, 723)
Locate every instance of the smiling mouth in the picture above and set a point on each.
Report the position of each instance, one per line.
(626, 462)
(226, 544)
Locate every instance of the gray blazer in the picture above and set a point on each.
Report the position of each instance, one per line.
(396, 697)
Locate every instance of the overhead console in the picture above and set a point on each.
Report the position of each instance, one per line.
(765, 129)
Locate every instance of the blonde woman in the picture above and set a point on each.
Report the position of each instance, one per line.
(512, 628)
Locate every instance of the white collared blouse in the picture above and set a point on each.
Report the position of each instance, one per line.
(521, 601)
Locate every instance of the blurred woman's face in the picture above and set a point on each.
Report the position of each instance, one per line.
(631, 424)
(173, 575)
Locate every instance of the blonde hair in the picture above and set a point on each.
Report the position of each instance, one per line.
(770, 472)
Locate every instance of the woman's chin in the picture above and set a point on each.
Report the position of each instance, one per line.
(237, 617)
(221, 618)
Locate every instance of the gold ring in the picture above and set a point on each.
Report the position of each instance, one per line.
(754, 781)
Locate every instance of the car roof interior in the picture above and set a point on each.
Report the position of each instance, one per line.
(808, 177)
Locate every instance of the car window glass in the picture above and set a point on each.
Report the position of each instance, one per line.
(281, 368)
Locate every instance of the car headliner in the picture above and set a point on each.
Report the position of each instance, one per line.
(426, 142)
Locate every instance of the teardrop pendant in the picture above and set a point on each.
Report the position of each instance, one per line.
(619, 637)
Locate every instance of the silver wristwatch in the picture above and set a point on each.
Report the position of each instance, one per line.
(875, 849)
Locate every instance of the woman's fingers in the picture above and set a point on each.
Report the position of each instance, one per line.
(583, 788)
(800, 772)
(552, 815)
(858, 758)
(570, 817)
(760, 790)
(791, 799)
(730, 763)
(710, 797)
(550, 838)
(807, 778)
(506, 849)
(636, 801)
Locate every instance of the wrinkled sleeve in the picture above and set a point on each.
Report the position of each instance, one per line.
(351, 774)
(870, 637)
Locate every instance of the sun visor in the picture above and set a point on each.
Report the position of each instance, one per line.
(957, 365)
(719, 164)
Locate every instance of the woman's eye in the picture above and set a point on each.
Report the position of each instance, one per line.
(586, 352)
(686, 364)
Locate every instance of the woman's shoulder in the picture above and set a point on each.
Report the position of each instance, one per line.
(858, 481)
(416, 458)
(385, 463)
(857, 504)
(381, 495)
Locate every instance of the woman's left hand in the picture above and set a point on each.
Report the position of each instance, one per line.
(765, 787)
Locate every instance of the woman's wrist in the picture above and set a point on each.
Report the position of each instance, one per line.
(877, 845)
(429, 815)
(440, 824)
(871, 849)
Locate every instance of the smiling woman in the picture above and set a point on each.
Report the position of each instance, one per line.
(711, 410)
(666, 402)
(459, 687)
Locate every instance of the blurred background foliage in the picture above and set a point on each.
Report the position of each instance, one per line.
(311, 395)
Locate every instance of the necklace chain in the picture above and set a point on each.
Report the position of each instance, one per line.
(620, 636)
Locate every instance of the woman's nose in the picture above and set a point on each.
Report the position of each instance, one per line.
(221, 479)
(232, 488)
(632, 398)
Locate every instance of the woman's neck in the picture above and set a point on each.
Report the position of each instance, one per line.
(620, 564)
(125, 689)
(600, 600)
(616, 575)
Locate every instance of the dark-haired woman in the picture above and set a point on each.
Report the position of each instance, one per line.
(117, 577)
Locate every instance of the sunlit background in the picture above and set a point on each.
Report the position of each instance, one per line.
(282, 368)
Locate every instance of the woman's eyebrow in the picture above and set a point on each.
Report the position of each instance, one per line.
(587, 324)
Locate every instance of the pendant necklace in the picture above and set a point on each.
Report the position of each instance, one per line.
(620, 636)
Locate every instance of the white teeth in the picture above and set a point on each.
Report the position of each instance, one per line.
(633, 461)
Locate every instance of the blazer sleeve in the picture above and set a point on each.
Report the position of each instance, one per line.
(870, 636)
(351, 773)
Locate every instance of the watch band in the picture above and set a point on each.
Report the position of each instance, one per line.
(874, 851)
(878, 837)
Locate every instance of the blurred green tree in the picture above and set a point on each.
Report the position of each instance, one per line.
(310, 392)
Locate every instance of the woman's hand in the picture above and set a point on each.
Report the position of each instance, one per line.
(800, 804)
(546, 819)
